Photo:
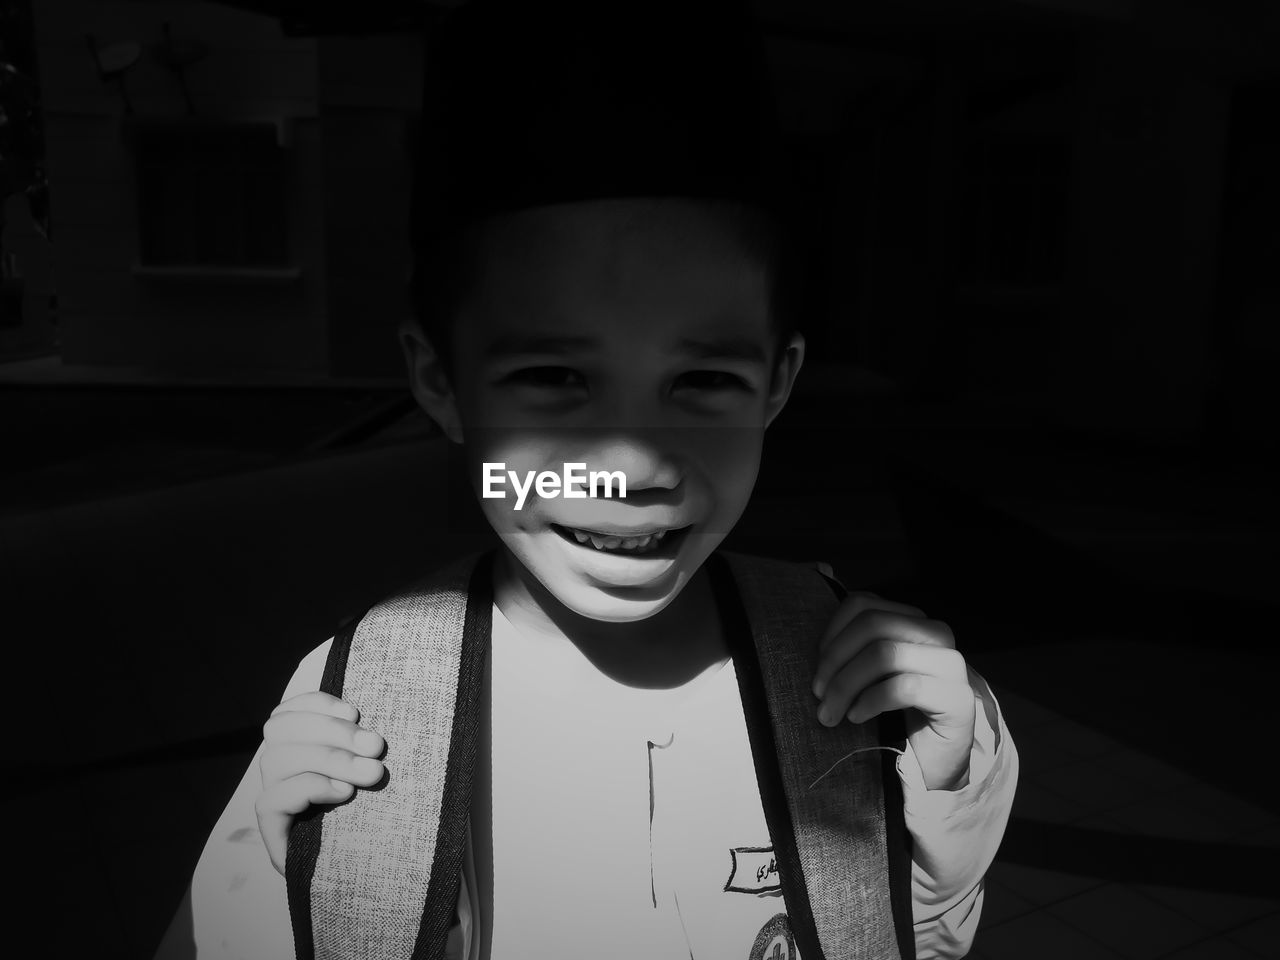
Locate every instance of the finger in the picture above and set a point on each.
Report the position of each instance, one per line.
(280, 762)
(319, 702)
(885, 658)
(932, 696)
(859, 602)
(297, 726)
(870, 626)
(276, 809)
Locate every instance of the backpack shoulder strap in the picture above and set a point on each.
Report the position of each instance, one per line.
(378, 878)
(827, 792)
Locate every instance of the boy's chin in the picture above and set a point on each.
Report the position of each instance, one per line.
(613, 605)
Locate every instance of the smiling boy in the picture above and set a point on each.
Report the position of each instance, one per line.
(626, 798)
(633, 335)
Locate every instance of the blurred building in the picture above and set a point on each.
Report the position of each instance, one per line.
(1027, 202)
(227, 198)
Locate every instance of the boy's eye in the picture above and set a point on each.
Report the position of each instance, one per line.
(551, 378)
(710, 380)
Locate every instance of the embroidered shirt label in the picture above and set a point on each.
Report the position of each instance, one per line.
(753, 870)
(775, 941)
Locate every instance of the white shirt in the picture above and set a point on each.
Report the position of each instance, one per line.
(580, 869)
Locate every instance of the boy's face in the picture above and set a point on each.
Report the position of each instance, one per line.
(626, 335)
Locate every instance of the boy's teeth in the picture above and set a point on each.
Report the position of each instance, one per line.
(607, 542)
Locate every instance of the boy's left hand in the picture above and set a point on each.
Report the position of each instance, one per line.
(877, 655)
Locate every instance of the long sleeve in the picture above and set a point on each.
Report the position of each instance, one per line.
(237, 907)
(955, 834)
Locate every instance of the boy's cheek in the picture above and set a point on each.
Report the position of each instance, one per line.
(494, 457)
(733, 469)
(505, 520)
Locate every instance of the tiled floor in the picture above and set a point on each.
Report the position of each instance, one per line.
(1116, 854)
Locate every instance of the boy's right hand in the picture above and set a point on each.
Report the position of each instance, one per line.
(313, 752)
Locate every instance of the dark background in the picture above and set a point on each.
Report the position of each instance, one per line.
(1043, 240)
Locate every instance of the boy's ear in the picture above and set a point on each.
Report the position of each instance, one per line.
(790, 359)
(429, 380)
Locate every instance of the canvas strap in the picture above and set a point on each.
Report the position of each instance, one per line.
(823, 789)
(377, 878)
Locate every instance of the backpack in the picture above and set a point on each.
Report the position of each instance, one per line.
(377, 877)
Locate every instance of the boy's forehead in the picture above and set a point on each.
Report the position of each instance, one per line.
(611, 270)
(726, 337)
(658, 232)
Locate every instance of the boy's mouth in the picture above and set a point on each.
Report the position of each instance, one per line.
(656, 543)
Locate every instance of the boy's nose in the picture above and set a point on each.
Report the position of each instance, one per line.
(646, 465)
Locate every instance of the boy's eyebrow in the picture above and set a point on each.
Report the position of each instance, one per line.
(520, 343)
(724, 348)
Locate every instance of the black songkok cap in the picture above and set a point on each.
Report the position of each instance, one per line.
(530, 103)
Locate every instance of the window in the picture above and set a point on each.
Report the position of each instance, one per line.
(211, 195)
